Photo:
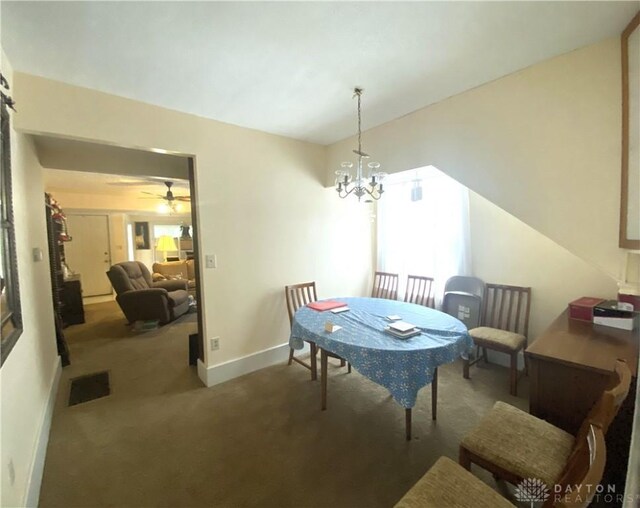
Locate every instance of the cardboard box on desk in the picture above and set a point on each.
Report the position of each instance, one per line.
(582, 308)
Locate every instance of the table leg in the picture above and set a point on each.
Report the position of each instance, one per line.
(323, 377)
(313, 361)
(407, 417)
(434, 394)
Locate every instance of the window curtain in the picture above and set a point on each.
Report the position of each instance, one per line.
(429, 236)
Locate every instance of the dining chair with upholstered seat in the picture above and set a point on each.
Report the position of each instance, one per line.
(448, 484)
(504, 326)
(385, 285)
(296, 296)
(513, 444)
(420, 291)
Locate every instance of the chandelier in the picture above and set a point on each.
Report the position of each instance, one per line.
(369, 186)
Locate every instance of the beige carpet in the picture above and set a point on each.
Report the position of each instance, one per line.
(162, 439)
(102, 320)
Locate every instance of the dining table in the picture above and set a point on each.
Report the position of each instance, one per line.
(401, 365)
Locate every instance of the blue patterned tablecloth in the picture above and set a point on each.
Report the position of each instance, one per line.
(403, 366)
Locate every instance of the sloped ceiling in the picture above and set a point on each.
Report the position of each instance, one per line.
(290, 67)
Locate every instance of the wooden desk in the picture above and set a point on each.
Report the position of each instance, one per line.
(570, 365)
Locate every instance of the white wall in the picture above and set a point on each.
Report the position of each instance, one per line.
(262, 207)
(542, 143)
(28, 374)
(505, 250)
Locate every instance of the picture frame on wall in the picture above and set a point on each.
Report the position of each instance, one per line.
(142, 236)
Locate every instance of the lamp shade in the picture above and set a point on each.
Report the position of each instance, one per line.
(166, 243)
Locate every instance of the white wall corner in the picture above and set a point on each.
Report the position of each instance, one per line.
(40, 448)
(216, 374)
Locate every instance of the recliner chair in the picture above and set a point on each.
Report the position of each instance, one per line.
(141, 299)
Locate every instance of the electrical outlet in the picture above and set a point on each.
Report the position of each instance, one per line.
(215, 343)
(12, 472)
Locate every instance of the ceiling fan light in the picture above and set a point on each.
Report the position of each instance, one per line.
(164, 208)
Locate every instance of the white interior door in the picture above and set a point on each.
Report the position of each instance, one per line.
(88, 252)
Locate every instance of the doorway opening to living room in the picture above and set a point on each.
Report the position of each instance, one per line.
(127, 251)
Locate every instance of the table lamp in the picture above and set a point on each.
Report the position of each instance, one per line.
(165, 244)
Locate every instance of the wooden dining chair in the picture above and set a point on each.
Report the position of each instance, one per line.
(513, 444)
(299, 295)
(420, 291)
(385, 285)
(504, 326)
(448, 484)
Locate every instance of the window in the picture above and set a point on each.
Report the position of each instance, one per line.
(10, 309)
(423, 227)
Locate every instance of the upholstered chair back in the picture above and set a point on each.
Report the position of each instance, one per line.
(128, 276)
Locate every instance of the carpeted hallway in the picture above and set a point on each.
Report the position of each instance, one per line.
(162, 439)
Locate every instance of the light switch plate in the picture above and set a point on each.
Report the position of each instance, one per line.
(37, 254)
(211, 261)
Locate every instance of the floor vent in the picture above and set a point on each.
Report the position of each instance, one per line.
(89, 387)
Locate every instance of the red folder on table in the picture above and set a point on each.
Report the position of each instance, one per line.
(326, 305)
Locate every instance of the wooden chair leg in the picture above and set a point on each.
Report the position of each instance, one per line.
(514, 374)
(465, 368)
(434, 394)
(342, 362)
(407, 423)
(323, 376)
(349, 367)
(463, 459)
(313, 360)
(484, 355)
(290, 356)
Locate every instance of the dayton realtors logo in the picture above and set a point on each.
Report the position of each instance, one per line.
(534, 490)
(531, 490)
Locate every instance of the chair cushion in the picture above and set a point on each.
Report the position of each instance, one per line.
(489, 336)
(449, 484)
(177, 297)
(171, 269)
(191, 269)
(520, 443)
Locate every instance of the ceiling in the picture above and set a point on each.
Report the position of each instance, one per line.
(289, 68)
(83, 182)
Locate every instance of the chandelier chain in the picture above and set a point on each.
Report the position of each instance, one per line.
(359, 93)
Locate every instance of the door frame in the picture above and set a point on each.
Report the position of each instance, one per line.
(195, 226)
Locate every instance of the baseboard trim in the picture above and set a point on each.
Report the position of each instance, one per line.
(216, 374)
(40, 452)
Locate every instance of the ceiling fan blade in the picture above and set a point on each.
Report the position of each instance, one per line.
(183, 198)
(153, 194)
(128, 184)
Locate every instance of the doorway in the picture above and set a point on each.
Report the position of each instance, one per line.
(102, 208)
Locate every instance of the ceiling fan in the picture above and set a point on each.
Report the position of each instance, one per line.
(169, 196)
(171, 202)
